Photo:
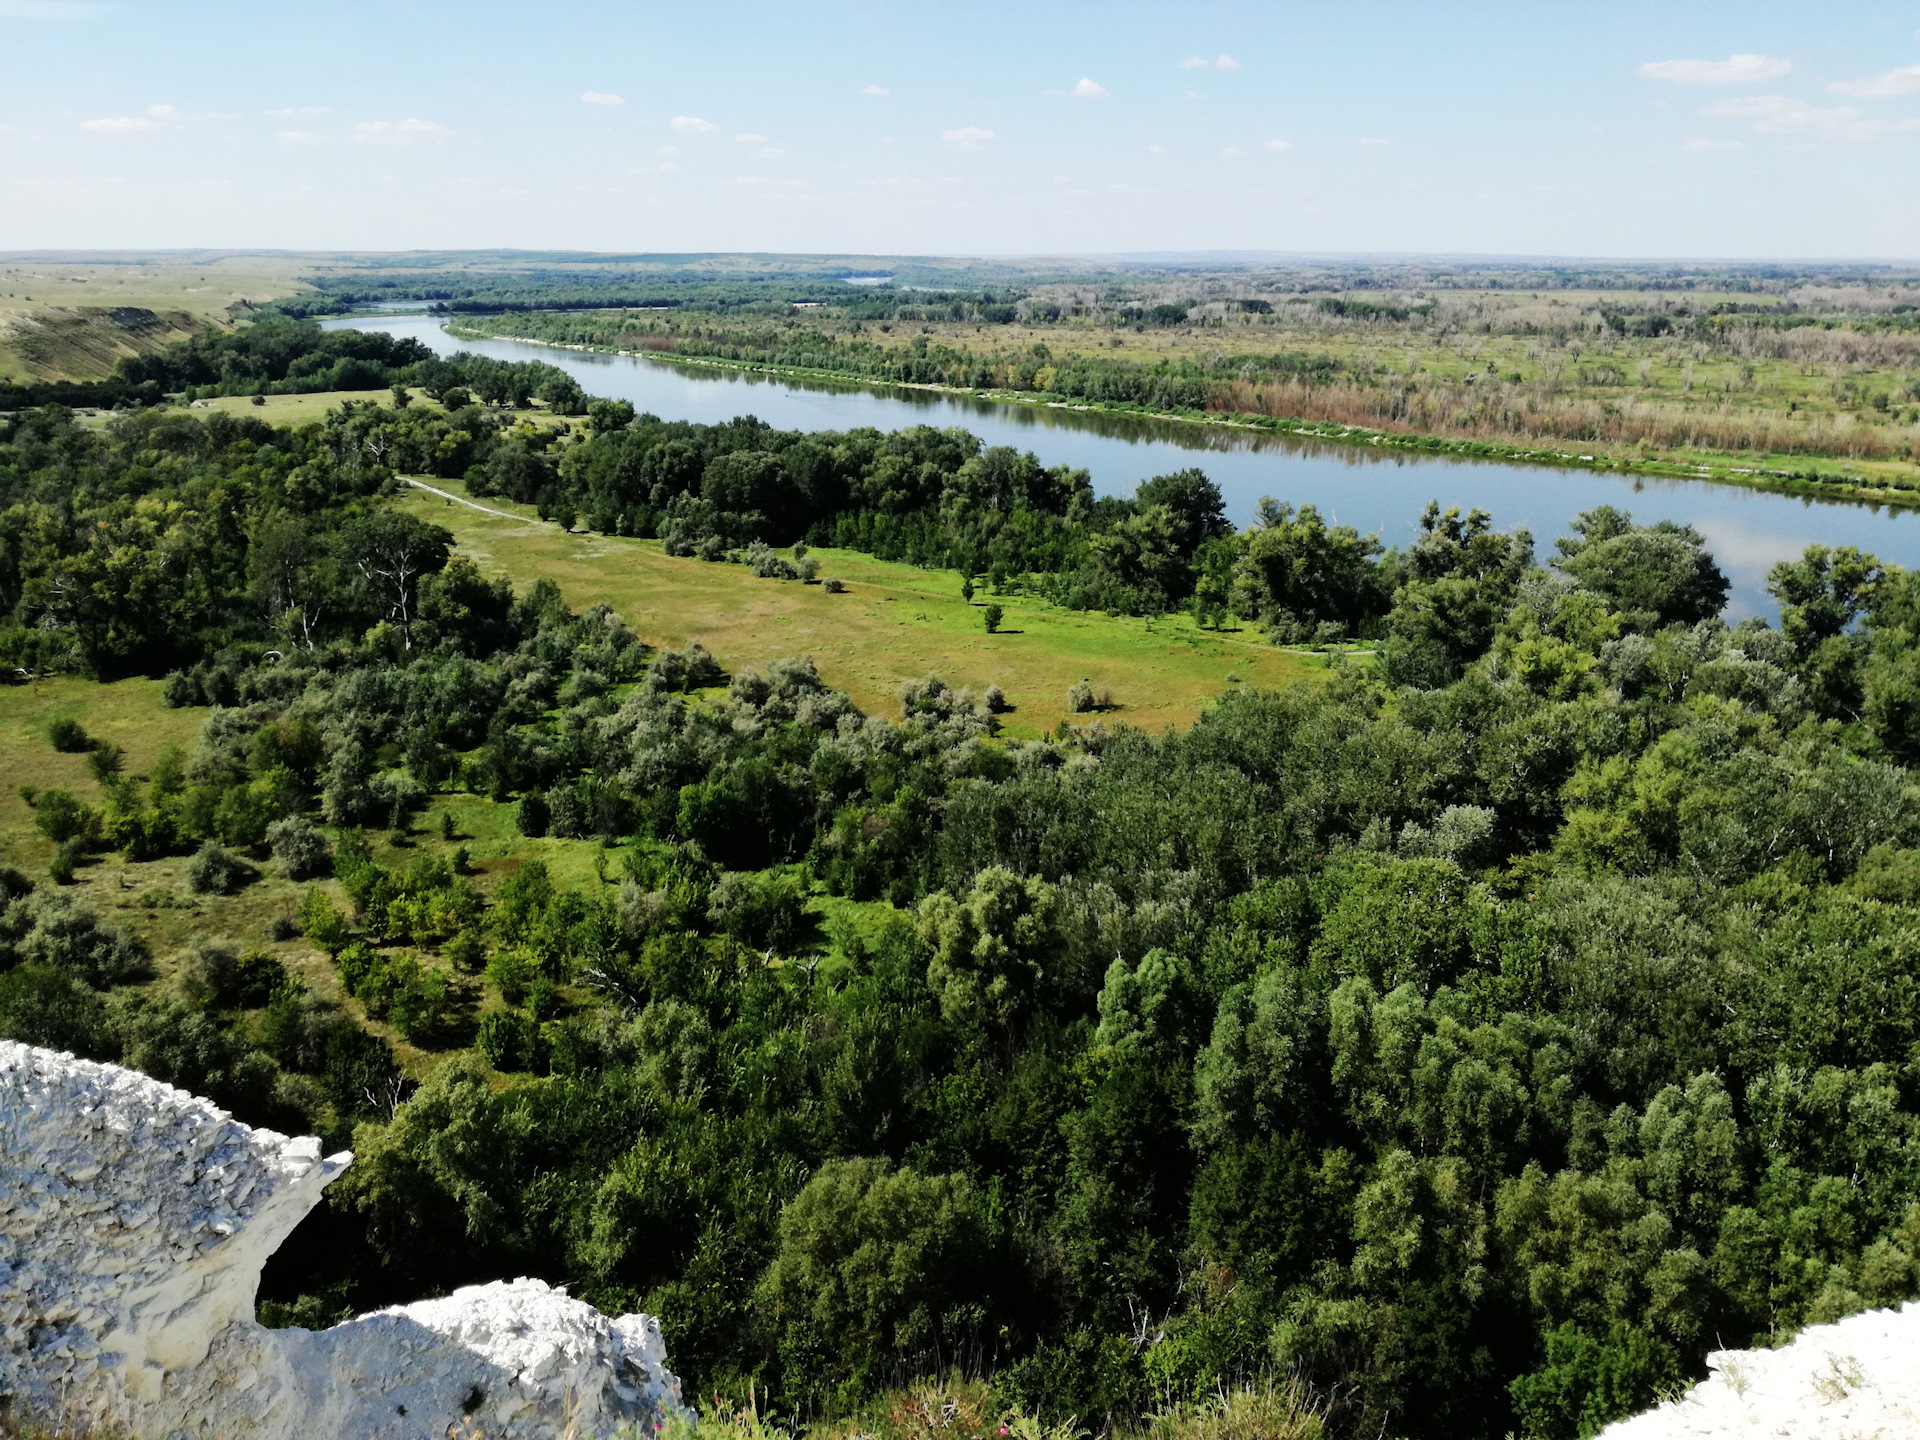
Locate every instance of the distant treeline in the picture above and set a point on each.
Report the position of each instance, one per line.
(486, 293)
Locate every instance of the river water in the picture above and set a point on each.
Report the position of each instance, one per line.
(1747, 530)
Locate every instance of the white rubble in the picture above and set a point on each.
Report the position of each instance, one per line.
(1856, 1379)
(134, 1222)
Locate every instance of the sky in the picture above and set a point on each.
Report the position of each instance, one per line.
(1735, 129)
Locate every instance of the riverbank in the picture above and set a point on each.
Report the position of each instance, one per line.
(1891, 489)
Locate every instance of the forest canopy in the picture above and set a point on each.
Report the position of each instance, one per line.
(1484, 1034)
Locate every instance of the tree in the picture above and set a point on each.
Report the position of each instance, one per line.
(994, 615)
(1657, 575)
(287, 574)
(1295, 572)
(990, 948)
(1194, 503)
(391, 551)
(871, 1263)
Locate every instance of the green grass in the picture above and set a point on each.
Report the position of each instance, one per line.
(896, 622)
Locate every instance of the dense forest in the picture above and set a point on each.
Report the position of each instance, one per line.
(1483, 1035)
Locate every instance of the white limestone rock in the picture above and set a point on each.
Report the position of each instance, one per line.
(1857, 1379)
(134, 1222)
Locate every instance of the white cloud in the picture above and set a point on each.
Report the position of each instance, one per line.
(398, 132)
(1231, 150)
(967, 137)
(1706, 145)
(1226, 62)
(1193, 62)
(601, 97)
(749, 138)
(1734, 70)
(693, 125)
(304, 139)
(1156, 149)
(770, 152)
(156, 117)
(874, 90)
(1195, 95)
(668, 150)
(1374, 142)
(49, 10)
(289, 112)
(1903, 81)
(1786, 115)
(1279, 144)
(1084, 89)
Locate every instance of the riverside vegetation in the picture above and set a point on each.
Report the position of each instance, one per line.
(1474, 1038)
(1808, 375)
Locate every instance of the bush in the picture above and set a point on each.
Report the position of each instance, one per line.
(68, 737)
(215, 978)
(215, 871)
(534, 815)
(508, 1039)
(762, 912)
(65, 861)
(466, 952)
(994, 615)
(106, 761)
(1080, 698)
(322, 923)
(834, 585)
(60, 817)
(179, 691)
(50, 1006)
(512, 975)
(300, 847)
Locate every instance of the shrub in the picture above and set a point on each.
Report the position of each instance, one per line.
(300, 847)
(65, 861)
(322, 923)
(760, 911)
(834, 585)
(60, 817)
(106, 761)
(535, 816)
(68, 737)
(66, 933)
(512, 974)
(1080, 698)
(508, 1039)
(995, 699)
(215, 978)
(215, 871)
(994, 615)
(466, 952)
(179, 691)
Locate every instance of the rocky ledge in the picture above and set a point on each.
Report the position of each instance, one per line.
(134, 1222)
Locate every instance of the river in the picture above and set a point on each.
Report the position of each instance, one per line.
(1747, 530)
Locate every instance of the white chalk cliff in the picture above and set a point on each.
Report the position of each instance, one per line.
(1856, 1379)
(134, 1222)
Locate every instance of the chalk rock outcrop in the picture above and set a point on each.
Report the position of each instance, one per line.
(1857, 1379)
(134, 1222)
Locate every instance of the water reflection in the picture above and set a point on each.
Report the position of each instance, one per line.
(1356, 485)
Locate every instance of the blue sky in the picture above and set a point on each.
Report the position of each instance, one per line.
(1755, 129)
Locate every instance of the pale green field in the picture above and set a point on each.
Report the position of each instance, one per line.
(896, 623)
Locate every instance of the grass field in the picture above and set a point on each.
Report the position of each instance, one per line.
(895, 623)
